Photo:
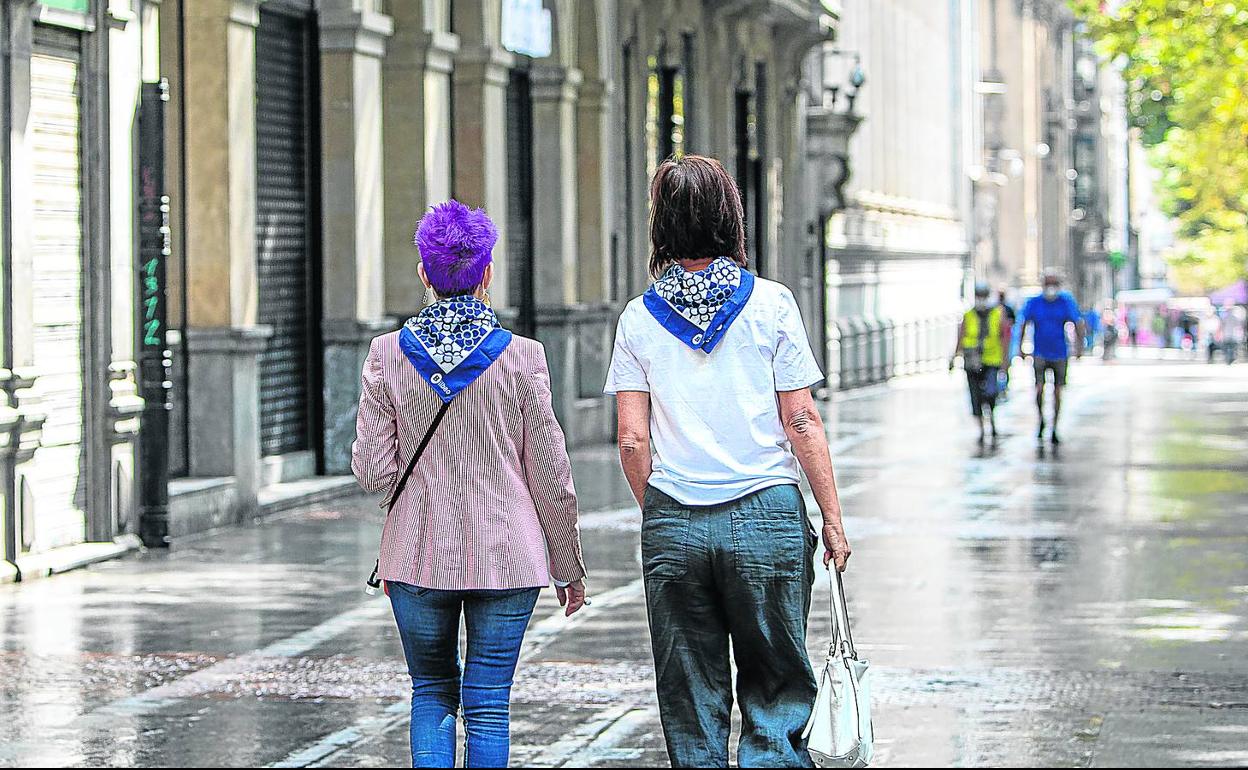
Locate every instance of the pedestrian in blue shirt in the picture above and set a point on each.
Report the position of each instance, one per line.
(1091, 325)
(1047, 315)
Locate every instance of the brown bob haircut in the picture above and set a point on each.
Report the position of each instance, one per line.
(695, 213)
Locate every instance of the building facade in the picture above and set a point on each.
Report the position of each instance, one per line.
(1025, 153)
(72, 73)
(1053, 182)
(897, 254)
(311, 136)
(887, 153)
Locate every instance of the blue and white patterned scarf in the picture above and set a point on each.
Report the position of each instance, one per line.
(699, 307)
(452, 342)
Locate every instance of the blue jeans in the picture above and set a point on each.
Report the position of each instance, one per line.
(741, 574)
(428, 623)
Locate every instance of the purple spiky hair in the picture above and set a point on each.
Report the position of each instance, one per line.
(455, 245)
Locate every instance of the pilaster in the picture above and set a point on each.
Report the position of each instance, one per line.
(224, 407)
(593, 219)
(417, 142)
(480, 91)
(555, 183)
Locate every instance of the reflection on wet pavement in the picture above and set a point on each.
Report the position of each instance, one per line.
(1020, 607)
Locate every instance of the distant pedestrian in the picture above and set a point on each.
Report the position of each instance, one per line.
(983, 339)
(1212, 331)
(712, 373)
(1048, 315)
(1232, 331)
(489, 515)
(1091, 327)
(1109, 337)
(1159, 327)
(1011, 349)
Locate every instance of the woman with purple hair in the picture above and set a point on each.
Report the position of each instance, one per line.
(456, 432)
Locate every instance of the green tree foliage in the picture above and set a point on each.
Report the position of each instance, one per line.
(1186, 67)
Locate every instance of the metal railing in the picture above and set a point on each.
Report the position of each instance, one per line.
(871, 350)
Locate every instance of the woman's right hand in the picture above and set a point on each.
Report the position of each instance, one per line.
(572, 597)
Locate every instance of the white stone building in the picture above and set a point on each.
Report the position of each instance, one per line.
(72, 73)
(311, 136)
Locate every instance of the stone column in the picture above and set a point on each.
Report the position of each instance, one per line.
(353, 44)
(223, 370)
(555, 183)
(21, 416)
(10, 419)
(223, 339)
(480, 87)
(593, 220)
(20, 274)
(125, 74)
(21, 429)
(417, 133)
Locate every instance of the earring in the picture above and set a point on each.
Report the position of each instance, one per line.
(486, 299)
(429, 300)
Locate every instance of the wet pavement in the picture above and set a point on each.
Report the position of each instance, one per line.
(1019, 606)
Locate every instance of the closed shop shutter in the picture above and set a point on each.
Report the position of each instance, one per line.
(521, 290)
(54, 506)
(286, 272)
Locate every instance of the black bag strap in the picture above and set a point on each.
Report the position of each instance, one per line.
(420, 450)
(373, 583)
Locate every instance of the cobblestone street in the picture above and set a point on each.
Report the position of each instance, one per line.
(1020, 606)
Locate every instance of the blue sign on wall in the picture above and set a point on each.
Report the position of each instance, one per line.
(526, 28)
(80, 6)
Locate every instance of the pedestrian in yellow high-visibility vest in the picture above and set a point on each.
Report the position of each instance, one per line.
(984, 343)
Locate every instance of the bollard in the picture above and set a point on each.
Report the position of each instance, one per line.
(871, 343)
(861, 370)
(832, 354)
(890, 348)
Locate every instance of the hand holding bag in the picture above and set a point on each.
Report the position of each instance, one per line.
(839, 733)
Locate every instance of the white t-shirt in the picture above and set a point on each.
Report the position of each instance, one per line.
(714, 418)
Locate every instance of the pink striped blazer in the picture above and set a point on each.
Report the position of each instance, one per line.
(491, 503)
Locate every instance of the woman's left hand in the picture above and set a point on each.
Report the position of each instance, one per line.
(836, 546)
(572, 597)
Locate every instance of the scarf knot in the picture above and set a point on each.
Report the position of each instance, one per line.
(452, 342)
(698, 307)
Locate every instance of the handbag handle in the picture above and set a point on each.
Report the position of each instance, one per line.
(842, 635)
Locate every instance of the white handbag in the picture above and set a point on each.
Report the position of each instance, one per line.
(839, 733)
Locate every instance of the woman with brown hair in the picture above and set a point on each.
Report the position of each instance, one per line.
(712, 373)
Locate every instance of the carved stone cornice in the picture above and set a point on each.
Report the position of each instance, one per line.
(125, 405)
(25, 431)
(485, 64)
(827, 156)
(364, 32)
(554, 83)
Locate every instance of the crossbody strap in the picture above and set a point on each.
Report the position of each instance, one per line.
(373, 583)
(420, 450)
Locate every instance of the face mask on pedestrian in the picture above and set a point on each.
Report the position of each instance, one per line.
(981, 303)
(1050, 292)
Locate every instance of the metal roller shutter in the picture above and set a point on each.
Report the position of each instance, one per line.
(286, 275)
(520, 276)
(55, 507)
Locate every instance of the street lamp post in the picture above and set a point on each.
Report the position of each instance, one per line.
(831, 122)
(155, 382)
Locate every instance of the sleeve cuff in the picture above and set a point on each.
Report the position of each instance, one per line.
(614, 388)
(577, 572)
